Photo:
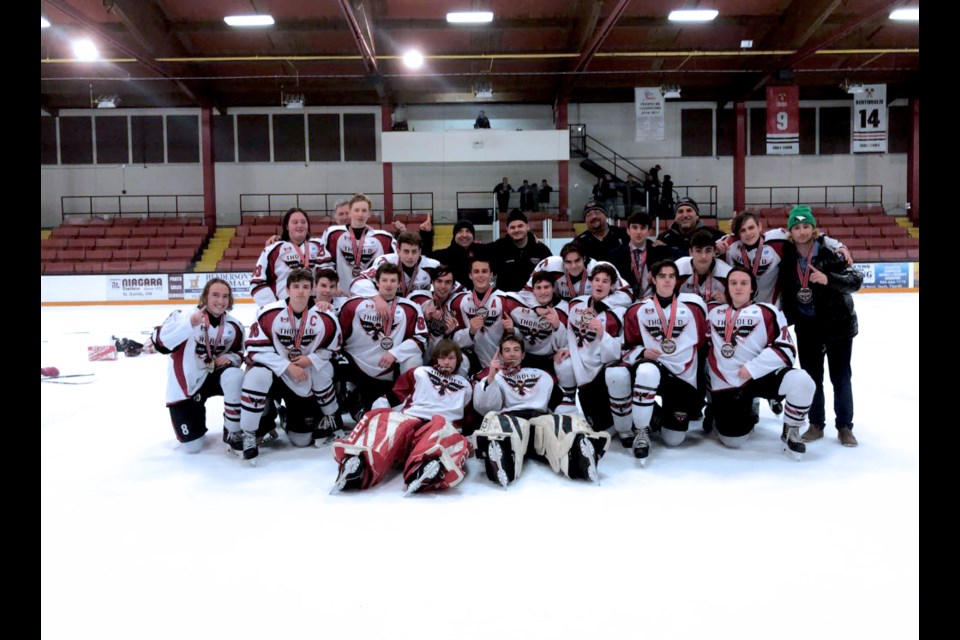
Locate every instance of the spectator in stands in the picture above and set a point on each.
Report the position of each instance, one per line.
(687, 213)
(514, 256)
(527, 196)
(482, 122)
(651, 190)
(502, 192)
(600, 239)
(543, 195)
(666, 194)
(605, 192)
(655, 174)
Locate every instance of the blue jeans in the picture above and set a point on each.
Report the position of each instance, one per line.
(812, 347)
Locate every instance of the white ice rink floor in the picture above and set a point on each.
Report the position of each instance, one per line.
(139, 540)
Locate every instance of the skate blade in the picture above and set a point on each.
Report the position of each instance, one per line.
(431, 471)
(252, 462)
(796, 456)
(643, 462)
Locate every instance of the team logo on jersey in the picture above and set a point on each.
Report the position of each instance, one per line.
(372, 326)
(442, 384)
(582, 333)
(655, 330)
(741, 331)
(522, 386)
(535, 334)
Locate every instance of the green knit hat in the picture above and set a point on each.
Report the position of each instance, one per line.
(801, 215)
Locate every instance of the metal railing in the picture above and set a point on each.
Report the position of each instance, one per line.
(323, 203)
(139, 206)
(487, 200)
(817, 195)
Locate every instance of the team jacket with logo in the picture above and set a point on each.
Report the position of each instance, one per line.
(527, 388)
(269, 281)
(590, 352)
(363, 330)
(688, 281)
(337, 243)
(487, 340)
(187, 346)
(643, 330)
(419, 279)
(761, 342)
(620, 294)
(272, 337)
(424, 392)
(539, 337)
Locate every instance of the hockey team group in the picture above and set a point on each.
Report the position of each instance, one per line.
(504, 351)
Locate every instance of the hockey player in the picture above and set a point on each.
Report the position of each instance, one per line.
(752, 356)
(353, 248)
(541, 325)
(701, 273)
(661, 337)
(414, 269)
(441, 321)
(571, 273)
(420, 431)
(513, 400)
(206, 351)
(479, 314)
(633, 259)
(290, 345)
(292, 251)
(594, 338)
(325, 293)
(384, 335)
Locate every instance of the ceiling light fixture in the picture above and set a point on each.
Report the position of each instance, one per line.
(912, 15)
(256, 20)
(746, 44)
(693, 15)
(469, 17)
(44, 23)
(413, 59)
(107, 102)
(670, 91)
(85, 50)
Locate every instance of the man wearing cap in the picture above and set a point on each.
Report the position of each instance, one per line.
(463, 248)
(687, 222)
(514, 256)
(600, 239)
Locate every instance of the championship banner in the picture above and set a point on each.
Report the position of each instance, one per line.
(783, 120)
(870, 119)
(649, 114)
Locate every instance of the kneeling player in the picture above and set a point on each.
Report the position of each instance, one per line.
(206, 350)
(421, 429)
(291, 344)
(514, 400)
(752, 356)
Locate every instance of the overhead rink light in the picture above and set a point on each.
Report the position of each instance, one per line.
(912, 15)
(413, 59)
(469, 17)
(44, 23)
(693, 15)
(85, 50)
(255, 20)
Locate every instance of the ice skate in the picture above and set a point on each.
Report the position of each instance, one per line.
(627, 438)
(350, 475)
(494, 461)
(776, 405)
(428, 474)
(793, 446)
(589, 458)
(234, 442)
(250, 450)
(755, 411)
(267, 438)
(329, 429)
(641, 446)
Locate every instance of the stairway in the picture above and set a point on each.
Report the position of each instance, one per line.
(904, 222)
(213, 253)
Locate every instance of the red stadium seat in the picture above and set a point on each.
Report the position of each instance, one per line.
(91, 232)
(894, 231)
(184, 255)
(100, 255)
(109, 243)
(226, 264)
(118, 232)
(144, 266)
(172, 266)
(88, 267)
(58, 268)
(136, 243)
(126, 222)
(913, 254)
(143, 232)
(881, 220)
(127, 255)
(117, 266)
(48, 254)
(153, 254)
(893, 255)
(869, 232)
(906, 243)
(64, 232)
(71, 254)
(231, 253)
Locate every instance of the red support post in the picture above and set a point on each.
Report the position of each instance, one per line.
(563, 166)
(740, 159)
(386, 125)
(913, 163)
(209, 175)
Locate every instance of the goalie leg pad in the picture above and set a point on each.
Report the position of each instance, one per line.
(438, 440)
(381, 438)
(513, 435)
(555, 437)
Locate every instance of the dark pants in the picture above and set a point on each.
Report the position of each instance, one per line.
(812, 347)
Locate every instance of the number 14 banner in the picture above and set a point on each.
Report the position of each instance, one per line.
(870, 119)
(783, 120)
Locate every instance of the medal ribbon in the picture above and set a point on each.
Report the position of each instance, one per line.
(297, 331)
(407, 285)
(206, 332)
(357, 246)
(303, 255)
(755, 265)
(729, 323)
(667, 327)
(388, 321)
(805, 275)
(583, 284)
(477, 303)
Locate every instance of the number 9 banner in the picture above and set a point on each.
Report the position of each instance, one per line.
(783, 120)
(870, 119)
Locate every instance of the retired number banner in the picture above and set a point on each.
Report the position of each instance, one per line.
(870, 119)
(783, 120)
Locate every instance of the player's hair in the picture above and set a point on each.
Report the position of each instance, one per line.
(657, 267)
(445, 347)
(607, 269)
(285, 223)
(543, 276)
(339, 203)
(741, 218)
(206, 292)
(410, 238)
(639, 218)
(361, 198)
(753, 282)
(486, 261)
(387, 267)
(439, 272)
(300, 275)
(702, 239)
(572, 247)
(329, 274)
(512, 337)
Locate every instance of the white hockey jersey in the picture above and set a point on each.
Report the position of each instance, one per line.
(539, 337)
(620, 293)
(363, 334)
(187, 347)
(759, 340)
(527, 388)
(338, 242)
(437, 327)
(688, 281)
(272, 341)
(424, 392)
(486, 341)
(412, 280)
(269, 281)
(590, 352)
(643, 329)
